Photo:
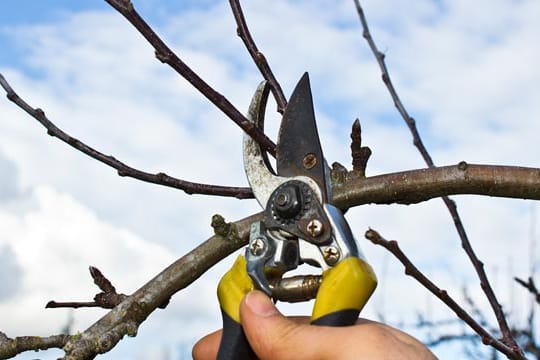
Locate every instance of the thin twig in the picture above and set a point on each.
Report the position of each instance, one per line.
(258, 57)
(107, 299)
(123, 169)
(166, 55)
(450, 204)
(531, 286)
(411, 270)
(77, 304)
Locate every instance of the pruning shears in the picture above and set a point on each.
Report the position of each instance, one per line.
(300, 225)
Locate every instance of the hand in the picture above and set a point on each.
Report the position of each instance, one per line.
(274, 336)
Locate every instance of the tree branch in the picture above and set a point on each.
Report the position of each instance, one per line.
(258, 57)
(513, 352)
(450, 204)
(11, 347)
(122, 169)
(415, 186)
(166, 55)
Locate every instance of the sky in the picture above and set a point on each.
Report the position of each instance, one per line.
(466, 71)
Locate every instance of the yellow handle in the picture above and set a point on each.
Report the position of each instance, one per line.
(345, 289)
(232, 288)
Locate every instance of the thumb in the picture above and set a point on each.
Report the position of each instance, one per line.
(274, 336)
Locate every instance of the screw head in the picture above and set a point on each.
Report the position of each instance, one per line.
(257, 246)
(314, 227)
(309, 161)
(331, 255)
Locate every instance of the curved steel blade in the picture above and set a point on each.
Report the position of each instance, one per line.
(258, 170)
(299, 150)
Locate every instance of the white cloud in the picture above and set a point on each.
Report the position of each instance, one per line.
(54, 244)
(10, 187)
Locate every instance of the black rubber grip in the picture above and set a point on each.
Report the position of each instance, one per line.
(338, 318)
(234, 344)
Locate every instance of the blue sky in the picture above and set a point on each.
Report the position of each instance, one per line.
(466, 71)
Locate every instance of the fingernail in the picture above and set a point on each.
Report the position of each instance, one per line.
(260, 304)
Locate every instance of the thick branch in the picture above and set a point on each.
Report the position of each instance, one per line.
(414, 186)
(258, 57)
(128, 315)
(166, 55)
(123, 169)
(411, 270)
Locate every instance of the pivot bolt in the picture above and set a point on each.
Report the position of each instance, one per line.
(288, 201)
(257, 246)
